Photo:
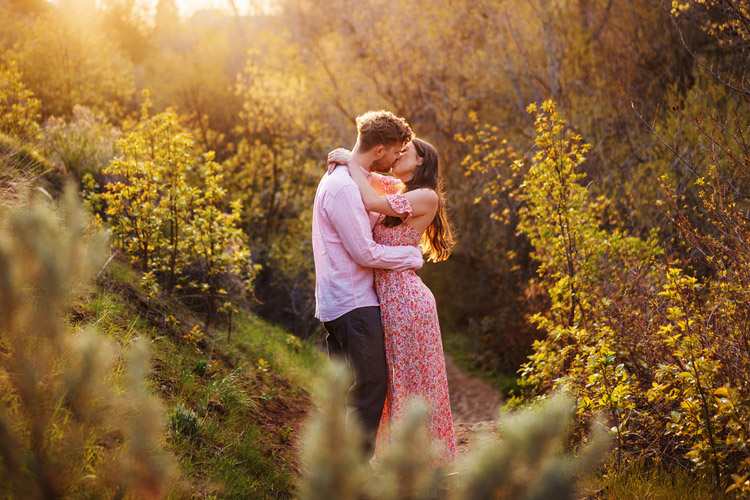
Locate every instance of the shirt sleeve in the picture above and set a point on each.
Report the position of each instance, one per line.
(348, 216)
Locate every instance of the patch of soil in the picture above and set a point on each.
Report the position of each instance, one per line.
(472, 400)
(468, 435)
(474, 405)
(282, 418)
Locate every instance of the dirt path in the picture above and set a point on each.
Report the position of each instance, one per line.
(474, 405)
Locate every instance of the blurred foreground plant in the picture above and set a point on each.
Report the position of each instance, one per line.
(71, 422)
(527, 463)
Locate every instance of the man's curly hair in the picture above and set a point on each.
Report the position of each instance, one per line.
(381, 127)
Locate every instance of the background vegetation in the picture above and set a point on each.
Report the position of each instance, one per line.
(603, 229)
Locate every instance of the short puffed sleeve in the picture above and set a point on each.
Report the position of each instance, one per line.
(400, 205)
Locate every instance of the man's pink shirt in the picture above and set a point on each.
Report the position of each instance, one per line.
(345, 253)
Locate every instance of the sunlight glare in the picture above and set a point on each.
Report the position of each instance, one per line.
(244, 7)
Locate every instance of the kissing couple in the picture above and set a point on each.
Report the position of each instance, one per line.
(369, 232)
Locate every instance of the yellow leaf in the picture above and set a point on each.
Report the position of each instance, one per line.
(721, 392)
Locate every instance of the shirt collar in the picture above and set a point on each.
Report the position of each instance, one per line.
(368, 174)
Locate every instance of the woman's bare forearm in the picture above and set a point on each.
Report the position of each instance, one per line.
(373, 201)
(376, 184)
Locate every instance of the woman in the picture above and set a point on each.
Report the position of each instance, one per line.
(414, 214)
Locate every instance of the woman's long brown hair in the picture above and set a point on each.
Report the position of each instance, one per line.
(437, 240)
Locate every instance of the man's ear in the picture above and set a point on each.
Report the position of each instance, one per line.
(379, 151)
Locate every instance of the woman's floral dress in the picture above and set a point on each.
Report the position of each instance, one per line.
(413, 346)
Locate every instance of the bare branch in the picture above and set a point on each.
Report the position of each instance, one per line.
(742, 90)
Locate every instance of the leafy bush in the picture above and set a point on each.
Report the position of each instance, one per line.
(706, 320)
(164, 210)
(19, 109)
(725, 21)
(631, 333)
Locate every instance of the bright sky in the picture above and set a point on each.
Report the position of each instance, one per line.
(188, 7)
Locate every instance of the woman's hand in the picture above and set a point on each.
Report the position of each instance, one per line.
(340, 156)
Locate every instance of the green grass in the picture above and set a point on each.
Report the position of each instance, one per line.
(122, 272)
(300, 362)
(636, 481)
(232, 408)
(463, 351)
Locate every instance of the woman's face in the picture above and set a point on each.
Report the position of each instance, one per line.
(408, 163)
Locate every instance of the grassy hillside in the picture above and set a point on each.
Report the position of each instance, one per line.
(234, 405)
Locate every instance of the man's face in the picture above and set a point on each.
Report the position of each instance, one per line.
(389, 157)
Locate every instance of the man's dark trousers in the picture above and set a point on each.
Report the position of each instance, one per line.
(357, 336)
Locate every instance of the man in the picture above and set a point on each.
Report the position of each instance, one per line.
(345, 255)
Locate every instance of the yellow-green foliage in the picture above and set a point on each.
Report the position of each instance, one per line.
(19, 109)
(680, 150)
(527, 463)
(218, 244)
(492, 178)
(75, 419)
(726, 20)
(707, 332)
(580, 267)
(19, 127)
(490, 195)
(661, 353)
(276, 168)
(563, 224)
(151, 199)
(164, 208)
